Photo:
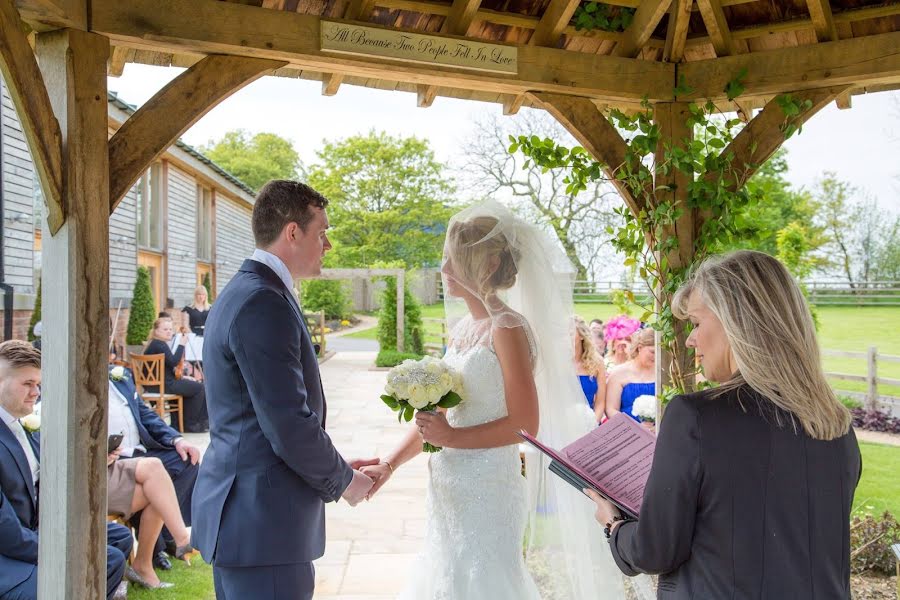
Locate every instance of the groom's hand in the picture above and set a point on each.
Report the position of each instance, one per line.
(359, 463)
(358, 488)
(379, 473)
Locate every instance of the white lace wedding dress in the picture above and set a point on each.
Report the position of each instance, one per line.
(476, 502)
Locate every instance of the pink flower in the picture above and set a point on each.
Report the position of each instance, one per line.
(620, 327)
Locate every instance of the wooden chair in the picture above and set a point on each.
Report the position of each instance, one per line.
(148, 371)
(315, 323)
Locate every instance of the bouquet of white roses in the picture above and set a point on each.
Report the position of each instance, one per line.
(424, 384)
(645, 408)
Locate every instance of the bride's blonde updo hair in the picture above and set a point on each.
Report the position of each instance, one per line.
(471, 248)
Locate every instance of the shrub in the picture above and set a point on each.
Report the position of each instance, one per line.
(143, 309)
(412, 319)
(850, 402)
(870, 543)
(35, 314)
(207, 283)
(392, 358)
(326, 295)
(875, 420)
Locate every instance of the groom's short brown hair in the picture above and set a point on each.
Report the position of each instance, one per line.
(280, 202)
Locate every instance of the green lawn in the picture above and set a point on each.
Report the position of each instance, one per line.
(879, 488)
(194, 583)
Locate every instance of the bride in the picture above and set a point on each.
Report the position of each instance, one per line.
(508, 302)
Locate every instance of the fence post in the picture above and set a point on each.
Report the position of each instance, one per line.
(872, 379)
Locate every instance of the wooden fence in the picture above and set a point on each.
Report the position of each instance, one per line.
(871, 397)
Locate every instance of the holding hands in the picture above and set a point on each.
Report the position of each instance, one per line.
(360, 485)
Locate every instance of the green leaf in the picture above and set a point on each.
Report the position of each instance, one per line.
(391, 402)
(408, 413)
(450, 400)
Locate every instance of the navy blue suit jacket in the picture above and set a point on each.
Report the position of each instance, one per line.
(18, 512)
(270, 466)
(155, 434)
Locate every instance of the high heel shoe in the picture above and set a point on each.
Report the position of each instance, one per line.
(135, 578)
(185, 553)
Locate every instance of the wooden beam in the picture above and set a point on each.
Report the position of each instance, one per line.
(29, 96)
(820, 12)
(331, 83)
(47, 15)
(75, 274)
(596, 134)
(717, 27)
(462, 14)
(359, 10)
(425, 95)
(844, 100)
(172, 111)
(512, 104)
(117, 61)
(870, 60)
(676, 32)
(555, 19)
(764, 135)
(209, 26)
(646, 18)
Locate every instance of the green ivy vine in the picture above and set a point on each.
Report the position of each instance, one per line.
(597, 15)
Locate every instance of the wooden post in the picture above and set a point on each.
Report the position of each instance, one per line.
(401, 319)
(671, 118)
(872, 379)
(72, 551)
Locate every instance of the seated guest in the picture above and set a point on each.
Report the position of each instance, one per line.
(635, 378)
(617, 335)
(196, 313)
(20, 380)
(142, 485)
(590, 368)
(38, 331)
(145, 434)
(195, 416)
(752, 482)
(596, 328)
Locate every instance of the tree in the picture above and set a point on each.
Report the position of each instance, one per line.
(254, 160)
(389, 200)
(412, 319)
(542, 195)
(207, 283)
(36, 313)
(143, 309)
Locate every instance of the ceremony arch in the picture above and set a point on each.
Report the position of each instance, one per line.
(56, 54)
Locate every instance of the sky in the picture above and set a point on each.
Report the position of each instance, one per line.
(861, 145)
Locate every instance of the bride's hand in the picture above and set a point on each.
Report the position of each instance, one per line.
(434, 428)
(379, 473)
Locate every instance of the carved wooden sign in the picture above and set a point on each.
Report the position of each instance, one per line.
(349, 38)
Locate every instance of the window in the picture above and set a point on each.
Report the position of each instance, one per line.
(204, 223)
(150, 209)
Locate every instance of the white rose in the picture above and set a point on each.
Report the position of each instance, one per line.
(117, 372)
(645, 407)
(418, 396)
(31, 422)
(434, 393)
(446, 382)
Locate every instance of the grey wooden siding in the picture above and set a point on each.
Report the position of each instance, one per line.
(181, 236)
(234, 239)
(123, 250)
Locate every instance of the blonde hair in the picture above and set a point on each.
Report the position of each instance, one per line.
(772, 336)
(197, 289)
(589, 357)
(159, 322)
(471, 245)
(640, 339)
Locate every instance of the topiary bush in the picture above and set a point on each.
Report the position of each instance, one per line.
(392, 358)
(325, 295)
(207, 283)
(35, 314)
(143, 309)
(412, 319)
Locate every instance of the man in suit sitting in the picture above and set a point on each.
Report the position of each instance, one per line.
(20, 380)
(146, 434)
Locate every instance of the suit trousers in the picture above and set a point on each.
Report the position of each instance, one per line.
(277, 582)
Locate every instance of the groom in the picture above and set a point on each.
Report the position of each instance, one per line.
(258, 504)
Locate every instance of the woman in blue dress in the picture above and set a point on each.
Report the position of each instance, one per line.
(635, 378)
(590, 368)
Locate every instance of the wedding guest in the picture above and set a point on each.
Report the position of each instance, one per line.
(590, 368)
(146, 434)
(596, 328)
(636, 377)
(617, 335)
(196, 419)
(752, 482)
(195, 314)
(20, 475)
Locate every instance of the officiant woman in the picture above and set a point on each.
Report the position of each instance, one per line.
(752, 481)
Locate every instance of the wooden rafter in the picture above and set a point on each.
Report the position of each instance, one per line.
(717, 27)
(676, 32)
(820, 12)
(117, 60)
(646, 18)
(844, 100)
(425, 95)
(159, 122)
(512, 104)
(596, 134)
(330, 84)
(29, 96)
(359, 10)
(554, 21)
(462, 14)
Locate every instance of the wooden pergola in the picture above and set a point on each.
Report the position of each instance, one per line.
(56, 54)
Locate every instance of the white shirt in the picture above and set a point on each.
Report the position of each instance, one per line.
(277, 265)
(16, 427)
(121, 420)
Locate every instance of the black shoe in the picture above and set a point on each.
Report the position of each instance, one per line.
(161, 561)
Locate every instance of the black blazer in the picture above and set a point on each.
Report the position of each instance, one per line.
(738, 507)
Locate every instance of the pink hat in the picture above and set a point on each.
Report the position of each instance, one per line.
(620, 327)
